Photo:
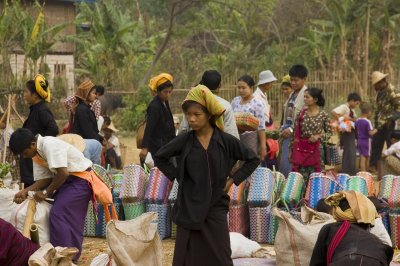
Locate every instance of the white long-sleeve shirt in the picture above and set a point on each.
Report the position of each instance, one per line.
(394, 149)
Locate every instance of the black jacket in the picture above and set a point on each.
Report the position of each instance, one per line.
(159, 126)
(358, 247)
(229, 150)
(85, 123)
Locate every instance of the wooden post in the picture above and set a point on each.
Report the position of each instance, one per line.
(6, 129)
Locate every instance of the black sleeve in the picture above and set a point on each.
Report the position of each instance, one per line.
(240, 152)
(318, 257)
(47, 120)
(163, 156)
(151, 124)
(83, 120)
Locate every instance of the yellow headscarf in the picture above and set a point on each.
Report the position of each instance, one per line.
(41, 88)
(361, 210)
(158, 80)
(286, 79)
(202, 95)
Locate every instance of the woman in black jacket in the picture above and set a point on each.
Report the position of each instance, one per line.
(159, 121)
(40, 120)
(84, 122)
(206, 156)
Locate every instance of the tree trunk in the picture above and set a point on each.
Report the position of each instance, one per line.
(364, 89)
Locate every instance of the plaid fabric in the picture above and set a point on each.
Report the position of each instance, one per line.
(70, 103)
(246, 122)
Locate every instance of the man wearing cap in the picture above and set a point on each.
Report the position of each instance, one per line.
(387, 114)
(265, 82)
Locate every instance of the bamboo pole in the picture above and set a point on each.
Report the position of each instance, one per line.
(6, 129)
(29, 218)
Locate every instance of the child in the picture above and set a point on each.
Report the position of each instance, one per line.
(390, 163)
(112, 153)
(364, 134)
(348, 139)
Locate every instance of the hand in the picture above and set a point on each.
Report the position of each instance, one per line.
(228, 184)
(143, 153)
(383, 156)
(263, 152)
(20, 196)
(286, 133)
(39, 196)
(313, 138)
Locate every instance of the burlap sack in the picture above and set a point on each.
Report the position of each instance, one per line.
(390, 165)
(48, 255)
(135, 242)
(294, 241)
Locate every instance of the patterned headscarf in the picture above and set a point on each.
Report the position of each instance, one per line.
(361, 210)
(159, 80)
(202, 95)
(42, 87)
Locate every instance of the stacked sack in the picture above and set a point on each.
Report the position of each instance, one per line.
(238, 215)
(98, 229)
(132, 191)
(263, 190)
(156, 199)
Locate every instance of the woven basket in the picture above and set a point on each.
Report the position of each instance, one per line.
(279, 184)
(370, 182)
(357, 183)
(133, 210)
(117, 183)
(246, 122)
(103, 174)
(164, 218)
(239, 219)
(293, 190)
(173, 194)
(261, 191)
(99, 229)
(386, 186)
(133, 183)
(263, 225)
(158, 188)
(341, 180)
(385, 219)
(319, 187)
(394, 197)
(394, 220)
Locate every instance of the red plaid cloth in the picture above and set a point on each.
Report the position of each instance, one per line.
(71, 102)
(246, 122)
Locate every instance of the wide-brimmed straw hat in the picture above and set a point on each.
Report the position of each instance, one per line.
(84, 88)
(112, 127)
(266, 77)
(377, 76)
(75, 140)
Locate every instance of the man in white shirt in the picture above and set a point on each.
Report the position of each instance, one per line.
(212, 80)
(265, 81)
(56, 165)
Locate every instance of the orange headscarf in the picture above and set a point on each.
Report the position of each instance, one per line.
(159, 80)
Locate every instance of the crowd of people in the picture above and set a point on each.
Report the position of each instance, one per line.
(203, 153)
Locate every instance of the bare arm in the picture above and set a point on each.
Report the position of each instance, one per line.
(57, 181)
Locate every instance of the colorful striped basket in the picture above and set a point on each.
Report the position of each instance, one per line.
(99, 229)
(173, 194)
(279, 183)
(164, 218)
(263, 225)
(238, 219)
(133, 183)
(246, 122)
(341, 180)
(385, 219)
(237, 194)
(386, 186)
(394, 197)
(133, 210)
(262, 183)
(293, 190)
(117, 183)
(158, 187)
(319, 187)
(103, 174)
(394, 219)
(370, 182)
(357, 183)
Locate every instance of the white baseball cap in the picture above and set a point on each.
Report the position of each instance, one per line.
(266, 76)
